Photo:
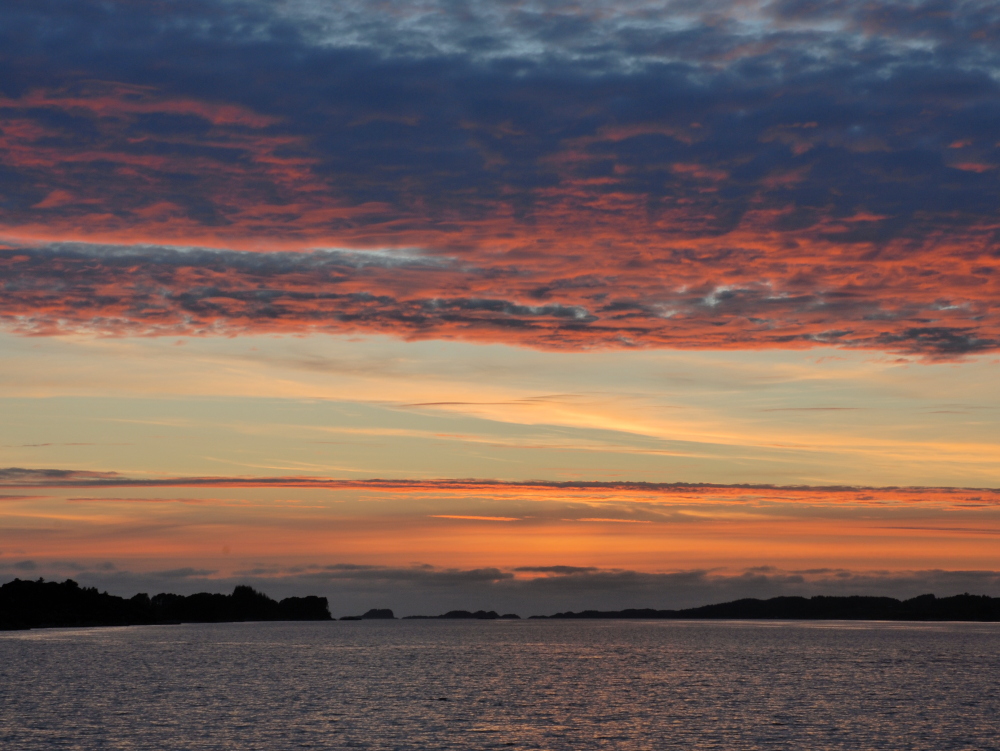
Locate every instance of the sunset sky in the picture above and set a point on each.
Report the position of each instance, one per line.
(522, 305)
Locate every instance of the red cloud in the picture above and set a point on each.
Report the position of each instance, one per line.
(705, 296)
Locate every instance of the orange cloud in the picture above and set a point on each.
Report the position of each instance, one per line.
(938, 302)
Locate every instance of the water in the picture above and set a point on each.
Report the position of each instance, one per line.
(489, 685)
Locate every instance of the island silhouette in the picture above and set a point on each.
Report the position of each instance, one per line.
(964, 607)
(375, 614)
(38, 604)
(479, 615)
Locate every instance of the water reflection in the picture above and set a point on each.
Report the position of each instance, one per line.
(482, 685)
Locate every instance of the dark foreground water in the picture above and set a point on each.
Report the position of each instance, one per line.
(481, 685)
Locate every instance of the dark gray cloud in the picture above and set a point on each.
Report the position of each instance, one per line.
(21, 475)
(185, 572)
(391, 121)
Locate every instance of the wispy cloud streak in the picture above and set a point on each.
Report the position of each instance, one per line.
(700, 493)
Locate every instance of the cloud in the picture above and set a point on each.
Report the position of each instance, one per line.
(429, 576)
(189, 501)
(185, 572)
(16, 476)
(583, 491)
(476, 518)
(562, 570)
(561, 176)
(168, 292)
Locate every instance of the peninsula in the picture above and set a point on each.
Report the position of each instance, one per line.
(39, 604)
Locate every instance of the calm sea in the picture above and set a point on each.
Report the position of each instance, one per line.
(484, 685)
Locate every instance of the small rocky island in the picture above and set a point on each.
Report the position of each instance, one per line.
(458, 615)
(479, 615)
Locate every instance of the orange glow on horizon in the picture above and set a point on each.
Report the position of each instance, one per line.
(723, 528)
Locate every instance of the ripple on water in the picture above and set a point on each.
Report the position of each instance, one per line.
(485, 685)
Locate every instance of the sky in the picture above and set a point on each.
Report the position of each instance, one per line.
(525, 305)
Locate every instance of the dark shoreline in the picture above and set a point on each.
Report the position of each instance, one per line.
(925, 608)
(964, 607)
(41, 604)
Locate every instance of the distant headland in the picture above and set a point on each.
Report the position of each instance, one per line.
(963, 607)
(41, 604)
